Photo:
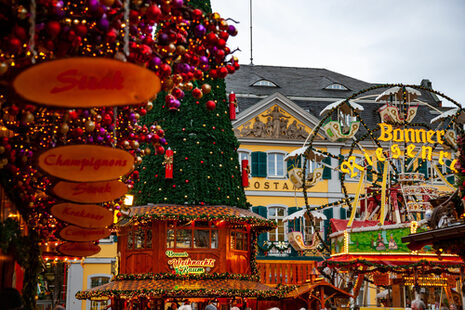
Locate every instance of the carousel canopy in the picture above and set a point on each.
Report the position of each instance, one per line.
(313, 156)
(450, 113)
(126, 289)
(301, 213)
(342, 103)
(148, 213)
(397, 91)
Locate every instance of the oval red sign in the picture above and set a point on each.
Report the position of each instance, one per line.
(86, 163)
(78, 249)
(86, 82)
(74, 233)
(90, 192)
(88, 216)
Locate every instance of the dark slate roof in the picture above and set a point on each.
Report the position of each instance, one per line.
(310, 83)
(292, 81)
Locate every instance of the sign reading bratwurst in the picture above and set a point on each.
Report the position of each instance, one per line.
(86, 163)
(86, 82)
(74, 233)
(90, 192)
(89, 216)
(78, 249)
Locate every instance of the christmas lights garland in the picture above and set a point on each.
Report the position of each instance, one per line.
(173, 276)
(261, 224)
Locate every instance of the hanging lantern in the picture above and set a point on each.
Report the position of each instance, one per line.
(245, 173)
(168, 164)
(232, 106)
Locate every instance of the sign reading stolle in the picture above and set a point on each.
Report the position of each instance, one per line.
(86, 163)
(88, 216)
(93, 192)
(78, 248)
(74, 233)
(86, 82)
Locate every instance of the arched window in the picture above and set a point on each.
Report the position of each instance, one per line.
(277, 214)
(336, 86)
(264, 83)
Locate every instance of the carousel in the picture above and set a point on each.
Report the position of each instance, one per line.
(393, 169)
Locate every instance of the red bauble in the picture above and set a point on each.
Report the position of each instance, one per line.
(197, 93)
(196, 14)
(160, 149)
(14, 44)
(223, 72)
(211, 105)
(77, 132)
(221, 43)
(53, 28)
(224, 35)
(81, 30)
(153, 13)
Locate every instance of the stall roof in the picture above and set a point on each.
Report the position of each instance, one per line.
(152, 212)
(126, 289)
(328, 289)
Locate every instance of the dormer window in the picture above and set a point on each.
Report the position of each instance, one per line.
(336, 86)
(264, 83)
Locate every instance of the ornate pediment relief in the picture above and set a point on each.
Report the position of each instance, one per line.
(275, 123)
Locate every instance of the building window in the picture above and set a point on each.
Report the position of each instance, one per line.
(94, 282)
(188, 235)
(264, 83)
(277, 214)
(140, 239)
(275, 164)
(243, 155)
(336, 86)
(239, 240)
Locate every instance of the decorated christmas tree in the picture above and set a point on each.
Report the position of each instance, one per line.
(206, 170)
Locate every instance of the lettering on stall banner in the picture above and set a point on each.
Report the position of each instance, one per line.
(182, 264)
(88, 216)
(86, 163)
(409, 135)
(90, 192)
(74, 233)
(87, 82)
(78, 248)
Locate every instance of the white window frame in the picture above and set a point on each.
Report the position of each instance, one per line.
(275, 231)
(284, 175)
(264, 83)
(89, 282)
(244, 151)
(336, 86)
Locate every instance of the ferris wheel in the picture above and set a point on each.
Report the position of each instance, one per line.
(392, 164)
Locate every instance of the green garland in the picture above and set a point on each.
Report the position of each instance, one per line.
(172, 276)
(355, 264)
(278, 293)
(26, 252)
(263, 224)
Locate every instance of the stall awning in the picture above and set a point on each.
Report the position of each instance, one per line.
(197, 212)
(328, 289)
(348, 261)
(207, 288)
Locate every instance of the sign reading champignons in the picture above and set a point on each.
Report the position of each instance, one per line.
(86, 82)
(74, 233)
(86, 163)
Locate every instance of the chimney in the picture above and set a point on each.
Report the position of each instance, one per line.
(426, 83)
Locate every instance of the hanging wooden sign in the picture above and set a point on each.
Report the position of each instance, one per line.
(87, 216)
(78, 249)
(90, 192)
(86, 82)
(86, 163)
(74, 233)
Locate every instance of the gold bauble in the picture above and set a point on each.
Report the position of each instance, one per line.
(177, 78)
(171, 48)
(188, 86)
(168, 84)
(22, 12)
(216, 16)
(224, 25)
(206, 88)
(137, 2)
(3, 68)
(126, 144)
(138, 160)
(28, 117)
(98, 118)
(136, 116)
(64, 128)
(135, 144)
(2, 149)
(180, 50)
(90, 126)
(148, 151)
(149, 106)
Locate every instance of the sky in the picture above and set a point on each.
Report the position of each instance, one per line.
(380, 41)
